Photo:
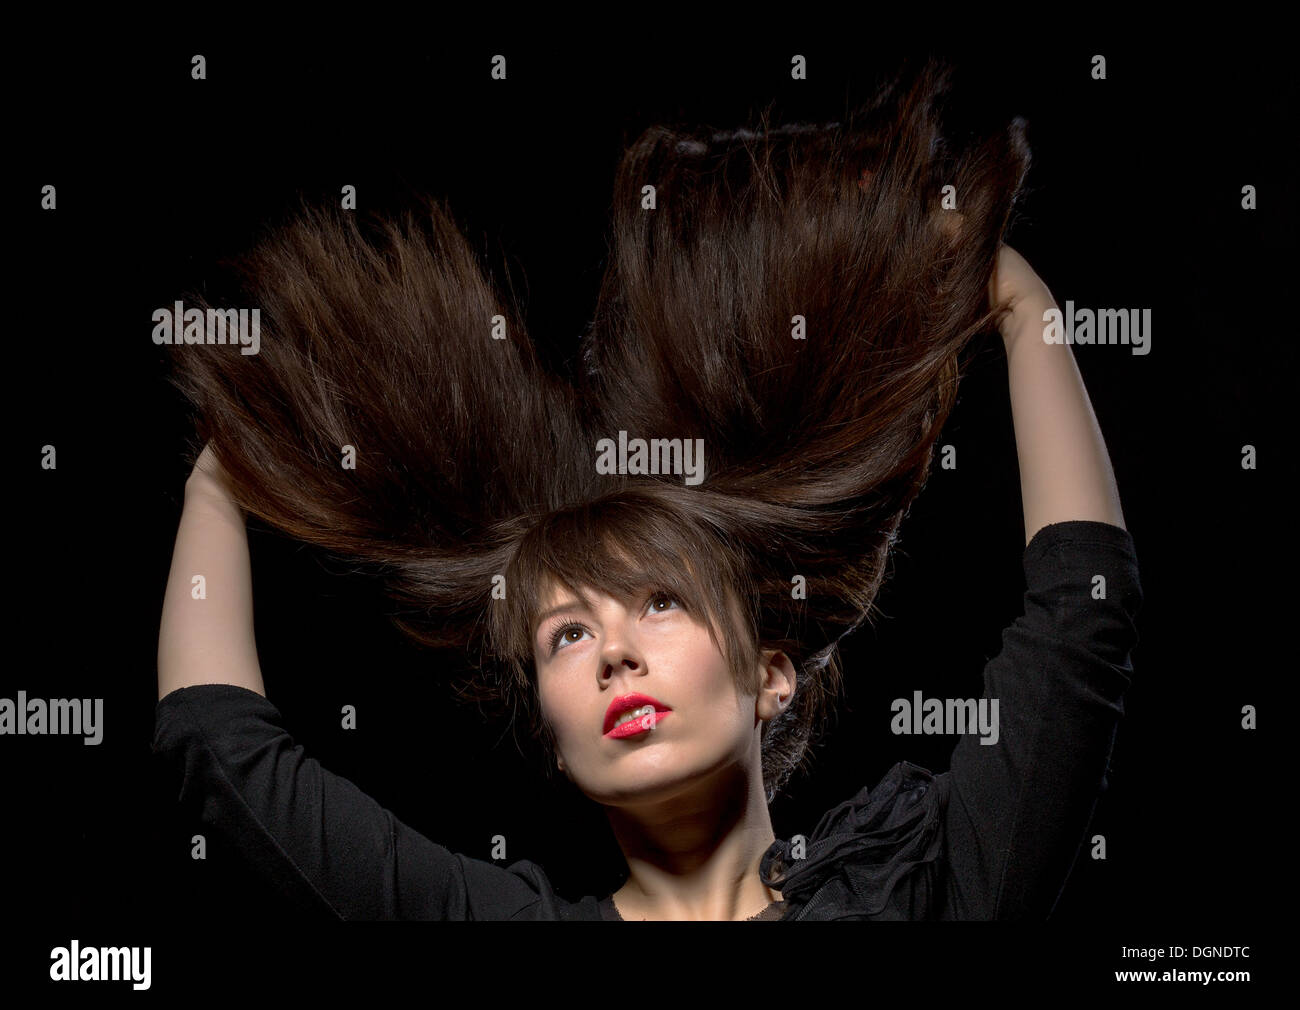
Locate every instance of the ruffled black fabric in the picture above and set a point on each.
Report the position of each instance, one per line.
(870, 841)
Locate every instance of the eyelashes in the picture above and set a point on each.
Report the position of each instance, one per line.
(559, 633)
(553, 642)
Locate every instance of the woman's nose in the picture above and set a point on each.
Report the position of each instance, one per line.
(611, 666)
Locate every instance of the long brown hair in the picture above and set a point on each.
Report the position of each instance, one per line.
(795, 296)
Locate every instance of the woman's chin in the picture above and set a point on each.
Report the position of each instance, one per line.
(631, 788)
(646, 782)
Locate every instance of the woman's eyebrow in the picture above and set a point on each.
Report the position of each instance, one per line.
(571, 604)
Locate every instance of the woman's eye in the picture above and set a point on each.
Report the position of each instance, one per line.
(662, 598)
(560, 638)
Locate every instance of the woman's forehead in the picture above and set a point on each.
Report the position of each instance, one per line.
(554, 592)
(619, 576)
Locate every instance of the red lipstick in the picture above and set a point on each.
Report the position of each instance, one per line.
(637, 725)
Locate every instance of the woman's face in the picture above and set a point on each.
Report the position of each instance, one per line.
(702, 725)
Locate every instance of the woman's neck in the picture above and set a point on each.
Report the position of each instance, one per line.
(696, 854)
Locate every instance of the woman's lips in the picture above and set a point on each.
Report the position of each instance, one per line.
(626, 703)
(635, 727)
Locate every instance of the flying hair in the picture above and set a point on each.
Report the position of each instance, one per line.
(798, 298)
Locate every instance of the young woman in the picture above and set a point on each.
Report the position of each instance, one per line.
(778, 330)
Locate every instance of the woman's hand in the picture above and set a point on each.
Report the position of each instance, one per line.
(1014, 285)
(208, 477)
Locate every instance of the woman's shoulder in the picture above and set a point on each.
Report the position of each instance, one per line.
(321, 838)
(854, 860)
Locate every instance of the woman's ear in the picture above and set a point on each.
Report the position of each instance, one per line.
(778, 681)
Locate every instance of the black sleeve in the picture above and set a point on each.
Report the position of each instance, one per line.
(1018, 810)
(315, 835)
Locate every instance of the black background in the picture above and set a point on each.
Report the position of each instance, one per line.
(1134, 201)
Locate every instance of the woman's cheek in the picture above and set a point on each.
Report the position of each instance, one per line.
(557, 701)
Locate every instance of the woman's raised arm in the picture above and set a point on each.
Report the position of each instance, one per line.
(207, 619)
(1020, 803)
(1065, 471)
(314, 835)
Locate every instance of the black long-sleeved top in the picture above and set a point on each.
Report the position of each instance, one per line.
(992, 838)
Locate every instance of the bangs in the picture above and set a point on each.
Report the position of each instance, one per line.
(626, 545)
